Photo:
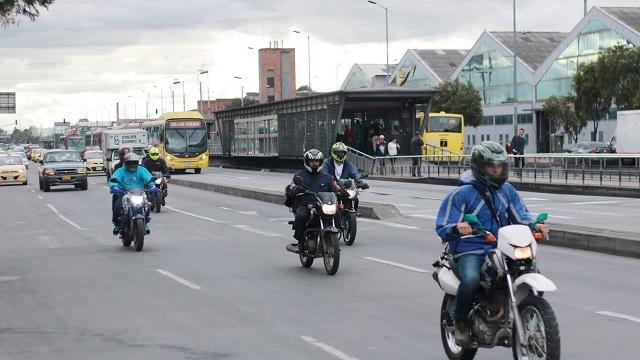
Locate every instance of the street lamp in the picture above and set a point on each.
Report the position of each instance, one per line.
(184, 107)
(515, 85)
(386, 25)
(202, 72)
(308, 56)
(161, 100)
(148, 100)
(241, 90)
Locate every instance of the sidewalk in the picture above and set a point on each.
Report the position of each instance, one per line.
(269, 187)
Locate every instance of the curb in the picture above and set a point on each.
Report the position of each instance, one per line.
(606, 242)
(367, 210)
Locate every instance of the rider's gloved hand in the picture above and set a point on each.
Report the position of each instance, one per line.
(463, 229)
(116, 191)
(297, 180)
(364, 186)
(544, 229)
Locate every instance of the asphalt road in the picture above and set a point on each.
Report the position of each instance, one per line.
(422, 201)
(214, 282)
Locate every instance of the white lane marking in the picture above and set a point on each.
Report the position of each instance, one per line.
(380, 193)
(92, 183)
(249, 212)
(8, 278)
(179, 279)
(40, 197)
(106, 187)
(194, 215)
(618, 315)
(390, 224)
(595, 202)
(403, 266)
(406, 205)
(534, 199)
(224, 208)
(281, 219)
(33, 190)
(63, 218)
(21, 222)
(327, 348)
(255, 231)
(423, 216)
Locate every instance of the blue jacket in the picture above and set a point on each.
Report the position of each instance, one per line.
(132, 181)
(318, 182)
(349, 171)
(467, 199)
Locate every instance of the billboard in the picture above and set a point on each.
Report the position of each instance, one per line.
(60, 128)
(7, 103)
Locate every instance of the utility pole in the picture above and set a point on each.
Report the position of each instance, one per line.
(515, 84)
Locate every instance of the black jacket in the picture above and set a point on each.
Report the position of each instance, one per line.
(518, 143)
(157, 165)
(416, 145)
(318, 182)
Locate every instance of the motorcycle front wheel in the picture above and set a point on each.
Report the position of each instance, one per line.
(453, 351)
(127, 238)
(350, 228)
(138, 241)
(331, 253)
(541, 331)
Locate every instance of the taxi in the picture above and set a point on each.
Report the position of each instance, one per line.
(37, 154)
(94, 162)
(12, 170)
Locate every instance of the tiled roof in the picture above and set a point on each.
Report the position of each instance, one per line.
(443, 62)
(628, 15)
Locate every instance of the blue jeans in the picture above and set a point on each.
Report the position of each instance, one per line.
(468, 269)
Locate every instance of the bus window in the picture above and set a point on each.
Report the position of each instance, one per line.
(444, 124)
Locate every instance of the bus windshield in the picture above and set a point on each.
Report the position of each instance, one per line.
(444, 124)
(186, 137)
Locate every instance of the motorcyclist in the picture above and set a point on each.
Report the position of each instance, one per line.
(314, 179)
(130, 177)
(341, 168)
(121, 154)
(154, 163)
(145, 151)
(483, 191)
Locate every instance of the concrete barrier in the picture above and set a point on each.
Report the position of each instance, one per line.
(367, 210)
(607, 242)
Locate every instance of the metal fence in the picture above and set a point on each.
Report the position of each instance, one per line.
(607, 170)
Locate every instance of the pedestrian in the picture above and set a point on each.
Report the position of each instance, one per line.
(517, 144)
(416, 149)
(392, 150)
(381, 151)
(348, 134)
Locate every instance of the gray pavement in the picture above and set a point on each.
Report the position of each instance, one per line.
(214, 282)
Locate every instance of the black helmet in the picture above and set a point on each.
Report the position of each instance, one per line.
(490, 153)
(313, 154)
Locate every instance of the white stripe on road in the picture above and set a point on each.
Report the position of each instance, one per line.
(390, 224)
(40, 197)
(406, 205)
(63, 218)
(595, 202)
(8, 278)
(255, 231)
(327, 348)
(424, 216)
(224, 208)
(179, 279)
(392, 263)
(194, 215)
(618, 315)
(249, 212)
(534, 199)
(281, 219)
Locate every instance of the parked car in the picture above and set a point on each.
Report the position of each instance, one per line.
(592, 147)
(62, 167)
(12, 170)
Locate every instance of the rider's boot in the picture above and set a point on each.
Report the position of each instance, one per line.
(116, 229)
(146, 229)
(461, 334)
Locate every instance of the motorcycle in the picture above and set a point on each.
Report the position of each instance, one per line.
(348, 210)
(134, 217)
(321, 236)
(158, 200)
(509, 310)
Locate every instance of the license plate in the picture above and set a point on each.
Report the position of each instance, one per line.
(189, 165)
(66, 178)
(98, 168)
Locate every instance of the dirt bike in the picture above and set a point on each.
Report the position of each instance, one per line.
(509, 310)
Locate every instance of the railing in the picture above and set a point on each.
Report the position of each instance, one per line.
(607, 170)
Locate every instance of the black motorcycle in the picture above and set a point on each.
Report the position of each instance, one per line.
(134, 217)
(322, 238)
(348, 209)
(158, 200)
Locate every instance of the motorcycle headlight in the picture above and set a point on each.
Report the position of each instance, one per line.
(352, 194)
(329, 209)
(522, 253)
(137, 200)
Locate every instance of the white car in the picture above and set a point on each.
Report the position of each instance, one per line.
(22, 155)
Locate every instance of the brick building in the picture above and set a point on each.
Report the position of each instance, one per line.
(277, 74)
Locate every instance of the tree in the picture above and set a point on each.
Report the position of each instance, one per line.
(592, 99)
(562, 114)
(305, 88)
(10, 10)
(456, 97)
(236, 103)
(619, 69)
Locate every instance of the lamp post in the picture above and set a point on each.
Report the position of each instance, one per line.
(241, 90)
(202, 72)
(308, 57)
(161, 99)
(515, 85)
(148, 100)
(184, 107)
(173, 97)
(386, 26)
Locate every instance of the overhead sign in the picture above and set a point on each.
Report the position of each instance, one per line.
(7, 103)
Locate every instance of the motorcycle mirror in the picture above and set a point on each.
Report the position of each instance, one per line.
(364, 175)
(542, 217)
(471, 219)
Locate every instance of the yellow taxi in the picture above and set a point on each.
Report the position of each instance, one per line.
(94, 162)
(12, 170)
(37, 154)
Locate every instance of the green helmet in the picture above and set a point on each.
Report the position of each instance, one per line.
(490, 154)
(339, 151)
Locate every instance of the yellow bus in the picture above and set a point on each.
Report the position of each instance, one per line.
(443, 134)
(181, 138)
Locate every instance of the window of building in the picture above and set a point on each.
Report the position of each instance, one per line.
(526, 139)
(506, 138)
(601, 136)
(504, 119)
(482, 137)
(488, 137)
(468, 139)
(501, 140)
(270, 79)
(486, 120)
(525, 118)
(569, 140)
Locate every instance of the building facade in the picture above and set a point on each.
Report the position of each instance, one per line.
(277, 68)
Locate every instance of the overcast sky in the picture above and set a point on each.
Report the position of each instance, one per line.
(81, 57)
